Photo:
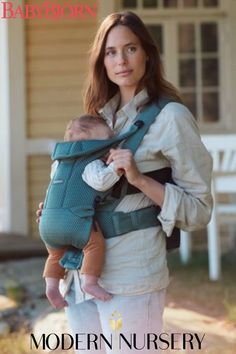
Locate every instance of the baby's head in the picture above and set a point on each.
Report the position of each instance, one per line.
(87, 127)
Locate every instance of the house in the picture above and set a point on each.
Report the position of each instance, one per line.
(43, 64)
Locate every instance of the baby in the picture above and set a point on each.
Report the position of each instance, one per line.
(85, 127)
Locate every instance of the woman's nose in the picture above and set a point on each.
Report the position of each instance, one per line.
(121, 58)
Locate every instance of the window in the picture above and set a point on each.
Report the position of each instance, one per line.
(177, 4)
(191, 50)
(157, 34)
(198, 68)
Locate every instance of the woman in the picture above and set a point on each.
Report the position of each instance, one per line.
(125, 74)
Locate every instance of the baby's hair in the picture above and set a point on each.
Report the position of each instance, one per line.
(86, 122)
(90, 120)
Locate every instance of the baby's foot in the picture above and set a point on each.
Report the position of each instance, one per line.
(97, 291)
(55, 298)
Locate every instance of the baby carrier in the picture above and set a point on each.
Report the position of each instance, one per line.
(71, 206)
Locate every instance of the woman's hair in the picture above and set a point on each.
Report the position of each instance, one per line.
(100, 88)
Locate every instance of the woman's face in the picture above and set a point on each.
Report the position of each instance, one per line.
(125, 59)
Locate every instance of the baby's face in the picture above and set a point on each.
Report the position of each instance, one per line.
(80, 132)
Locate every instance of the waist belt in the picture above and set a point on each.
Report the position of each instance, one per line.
(114, 224)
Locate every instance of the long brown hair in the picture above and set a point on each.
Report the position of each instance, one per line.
(100, 88)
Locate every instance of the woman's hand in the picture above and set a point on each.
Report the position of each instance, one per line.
(124, 162)
(39, 212)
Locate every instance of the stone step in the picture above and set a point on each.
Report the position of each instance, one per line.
(16, 246)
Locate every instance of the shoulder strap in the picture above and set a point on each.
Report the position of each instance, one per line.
(144, 119)
(75, 149)
(131, 138)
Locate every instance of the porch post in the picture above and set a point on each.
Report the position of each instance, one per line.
(13, 192)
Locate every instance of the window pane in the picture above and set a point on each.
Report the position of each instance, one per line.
(190, 3)
(210, 3)
(190, 101)
(149, 3)
(170, 3)
(157, 35)
(210, 72)
(129, 3)
(211, 107)
(187, 72)
(186, 38)
(209, 37)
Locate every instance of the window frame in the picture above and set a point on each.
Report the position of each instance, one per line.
(223, 6)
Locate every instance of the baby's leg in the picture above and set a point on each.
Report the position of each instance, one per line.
(52, 274)
(52, 268)
(90, 286)
(53, 293)
(91, 269)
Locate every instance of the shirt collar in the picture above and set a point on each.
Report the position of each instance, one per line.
(130, 110)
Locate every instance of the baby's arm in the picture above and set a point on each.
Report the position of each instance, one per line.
(100, 176)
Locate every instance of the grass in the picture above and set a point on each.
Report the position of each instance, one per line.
(14, 343)
(19, 343)
(191, 288)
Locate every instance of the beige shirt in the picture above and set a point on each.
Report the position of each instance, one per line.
(136, 262)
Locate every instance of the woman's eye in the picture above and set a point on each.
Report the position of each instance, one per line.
(110, 53)
(131, 49)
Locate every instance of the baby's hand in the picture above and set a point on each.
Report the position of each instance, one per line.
(55, 298)
(104, 158)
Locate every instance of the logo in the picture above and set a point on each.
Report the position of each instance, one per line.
(115, 324)
(118, 341)
(115, 321)
(48, 9)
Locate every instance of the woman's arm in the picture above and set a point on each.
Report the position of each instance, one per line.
(188, 204)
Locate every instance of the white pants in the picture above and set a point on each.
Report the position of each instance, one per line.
(130, 315)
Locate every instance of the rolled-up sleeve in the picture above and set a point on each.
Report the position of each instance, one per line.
(188, 204)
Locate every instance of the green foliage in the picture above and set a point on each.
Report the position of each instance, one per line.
(15, 291)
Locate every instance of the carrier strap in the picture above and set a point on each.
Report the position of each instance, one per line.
(75, 149)
(118, 223)
(131, 138)
(144, 119)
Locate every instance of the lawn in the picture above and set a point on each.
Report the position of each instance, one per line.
(190, 289)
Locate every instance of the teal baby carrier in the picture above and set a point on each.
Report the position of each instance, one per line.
(71, 206)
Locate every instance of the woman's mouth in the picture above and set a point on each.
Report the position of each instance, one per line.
(124, 73)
